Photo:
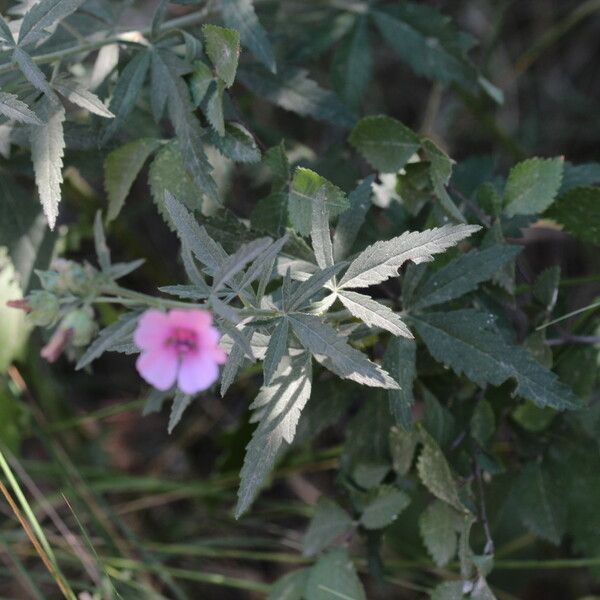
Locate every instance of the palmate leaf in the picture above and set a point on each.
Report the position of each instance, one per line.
(240, 15)
(295, 91)
(334, 352)
(13, 108)
(462, 275)
(384, 142)
(236, 262)
(277, 407)
(34, 74)
(5, 32)
(82, 97)
(236, 143)
(382, 260)
(43, 14)
(47, 148)
(320, 234)
(329, 522)
(310, 287)
(469, 343)
(400, 362)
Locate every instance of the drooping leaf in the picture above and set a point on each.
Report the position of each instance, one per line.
(121, 168)
(5, 32)
(439, 525)
(240, 15)
(352, 219)
(374, 313)
(13, 108)
(43, 14)
(108, 337)
(305, 186)
(334, 576)
(222, 46)
(578, 211)
(382, 260)
(400, 362)
(47, 148)
(336, 354)
(329, 523)
(293, 90)
(469, 343)
(532, 186)
(384, 142)
(462, 275)
(277, 407)
(383, 509)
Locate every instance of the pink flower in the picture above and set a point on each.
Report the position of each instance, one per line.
(178, 345)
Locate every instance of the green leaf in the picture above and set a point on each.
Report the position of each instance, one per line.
(167, 173)
(121, 168)
(235, 143)
(440, 171)
(384, 508)
(180, 403)
(313, 285)
(373, 313)
(294, 91)
(329, 523)
(449, 590)
(126, 92)
(276, 159)
(290, 586)
(320, 234)
(213, 107)
(13, 108)
(435, 473)
(352, 219)
(100, 245)
(352, 66)
(334, 577)
(578, 211)
(5, 32)
(277, 408)
(81, 97)
(205, 249)
(384, 142)
(270, 214)
(540, 504)
(111, 335)
(468, 341)
(382, 260)
(427, 41)
(483, 422)
(582, 175)
(43, 14)
(439, 525)
(240, 15)
(402, 448)
(438, 421)
(305, 186)
(545, 286)
(223, 48)
(236, 262)
(463, 275)
(532, 186)
(200, 81)
(47, 149)
(336, 354)
(34, 74)
(278, 345)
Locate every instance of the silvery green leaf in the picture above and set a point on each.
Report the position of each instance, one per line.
(334, 577)
(374, 313)
(47, 148)
(239, 337)
(119, 270)
(351, 220)
(222, 46)
(260, 264)
(280, 405)
(205, 249)
(290, 586)
(320, 234)
(5, 32)
(192, 292)
(336, 354)
(226, 312)
(155, 402)
(315, 283)
(109, 337)
(235, 360)
(439, 525)
(462, 275)
(235, 263)
(240, 15)
(384, 507)
(121, 168)
(180, 403)
(43, 14)
(102, 251)
(192, 271)
(329, 522)
(236, 143)
(276, 349)
(13, 108)
(34, 74)
(400, 362)
(381, 260)
(82, 97)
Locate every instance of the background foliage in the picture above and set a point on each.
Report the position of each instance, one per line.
(404, 413)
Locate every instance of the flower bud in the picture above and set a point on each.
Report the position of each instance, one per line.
(81, 322)
(43, 308)
(52, 281)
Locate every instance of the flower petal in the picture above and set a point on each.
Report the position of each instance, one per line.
(196, 320)
(196, 373)
(158, 368)
(152, 329)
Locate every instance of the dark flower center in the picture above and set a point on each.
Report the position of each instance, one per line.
(182, 340)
